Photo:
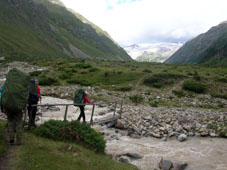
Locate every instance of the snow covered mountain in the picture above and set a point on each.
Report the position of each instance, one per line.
(155, 52)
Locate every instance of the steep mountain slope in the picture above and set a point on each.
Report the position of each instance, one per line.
(208, 48)
(47, 28)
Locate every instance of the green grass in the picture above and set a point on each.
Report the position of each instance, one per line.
(179, 93)
(72, 131)
(223, 96)
(40, 153)
(46, 154)
(3, 141)
(162, 79)
(123, 77)
(194, 87)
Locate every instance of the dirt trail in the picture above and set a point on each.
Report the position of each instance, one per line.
(7, 157)
(135, 88)
(5, 160)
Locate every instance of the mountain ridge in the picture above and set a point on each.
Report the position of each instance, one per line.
(207, 48)
(47, 28)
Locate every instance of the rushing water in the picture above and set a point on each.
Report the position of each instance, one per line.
(199, 153)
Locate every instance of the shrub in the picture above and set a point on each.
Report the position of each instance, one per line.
(223, 96)
(159, 80)
(83, 66)
(195, 87)
(35, 73)
(197, 77)
(61, 69)
(154, 104)
(83, 72)
(136, 99)
(79, 81)
(65, 76)
(124, 88)
(154, 82)
(109, 73)
(47, 81)
(221, 105)
(147, 70)
(93, 70)
(73, 131)
(223, 80)
(179, 93)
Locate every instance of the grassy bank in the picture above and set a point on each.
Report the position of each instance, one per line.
(3, 142)
(45, 154)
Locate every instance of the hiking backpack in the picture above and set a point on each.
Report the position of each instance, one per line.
(33, 95)
(16, 91)
(79, 96)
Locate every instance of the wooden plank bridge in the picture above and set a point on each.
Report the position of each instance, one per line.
(110, 118)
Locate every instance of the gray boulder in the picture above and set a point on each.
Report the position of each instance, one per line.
(165, 164)
(134, 155)
(182, 137)
(179, 166)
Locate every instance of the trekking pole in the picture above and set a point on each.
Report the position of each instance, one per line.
(92, 114)
(77, 109)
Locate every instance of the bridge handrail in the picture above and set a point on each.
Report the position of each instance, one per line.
(79, 104)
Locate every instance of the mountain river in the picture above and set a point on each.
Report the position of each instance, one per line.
(199, 153)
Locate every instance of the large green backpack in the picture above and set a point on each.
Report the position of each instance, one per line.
(78, 98)
(16, 91)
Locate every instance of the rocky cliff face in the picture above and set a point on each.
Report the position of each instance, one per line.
(207, 48)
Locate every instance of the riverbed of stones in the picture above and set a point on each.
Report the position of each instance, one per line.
(164, 123)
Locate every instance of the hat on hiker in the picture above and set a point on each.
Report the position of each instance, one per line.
(32, 81)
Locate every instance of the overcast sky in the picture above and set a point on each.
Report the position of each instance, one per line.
(147, 21)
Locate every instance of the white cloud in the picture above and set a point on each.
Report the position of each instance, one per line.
(145, 21)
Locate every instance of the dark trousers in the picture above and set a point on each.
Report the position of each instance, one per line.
(32, 114)
(15, 126)
(82, 114)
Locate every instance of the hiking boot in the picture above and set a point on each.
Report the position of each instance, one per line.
(11, 142)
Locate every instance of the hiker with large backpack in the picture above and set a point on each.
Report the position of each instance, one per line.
(34, 96)
(14, 101)
(81, 98)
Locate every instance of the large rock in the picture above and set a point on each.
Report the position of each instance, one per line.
(119, 124)
(182, 137)
(165, 164)
(134, 155)
(179, 166)
(123, 159)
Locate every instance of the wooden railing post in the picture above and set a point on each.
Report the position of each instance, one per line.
(66, 110)
(115, 107)
(121, 108)
(92, 114)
